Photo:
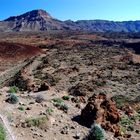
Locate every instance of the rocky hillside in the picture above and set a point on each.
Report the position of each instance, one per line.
(40, 20)
(36, 20)
(109, 26)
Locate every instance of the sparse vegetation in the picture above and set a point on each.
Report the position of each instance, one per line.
(100, 83)
(122, 130)
(77, 66)
(125, 121)
(66, 98)
(39, 99)
(56, 80)
(64, 107)
(49, 111)
(2, 133)
(57, 100)
(13, 99)
(130, 128)
(9, 117)
(39, 121)
(13, 89)
(59, 103)
(120, 100)
(96, 133)
(21, 108)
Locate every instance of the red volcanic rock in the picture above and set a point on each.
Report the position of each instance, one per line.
(102, 111)
(13, 51)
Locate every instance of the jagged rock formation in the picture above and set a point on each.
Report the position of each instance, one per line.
(102, 111)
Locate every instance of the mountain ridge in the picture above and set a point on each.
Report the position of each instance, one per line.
(33, 12)
(40, 20)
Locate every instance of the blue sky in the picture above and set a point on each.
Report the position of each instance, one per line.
(117, 10)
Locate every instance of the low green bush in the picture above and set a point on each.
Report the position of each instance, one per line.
(2, 132)
(13, 99)
(62, 107)
(49, 111)
(125, 121)
(57, 100)
(36, 121)
(13, 89)
(21, 108)
(66, 97)
(96, 133)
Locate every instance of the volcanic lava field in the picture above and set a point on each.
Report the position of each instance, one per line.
(55, 86)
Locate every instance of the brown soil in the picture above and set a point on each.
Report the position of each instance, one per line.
(15, 51)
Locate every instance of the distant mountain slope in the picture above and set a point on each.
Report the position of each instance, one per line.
(40, 20)
(34, 21)
(109, 26)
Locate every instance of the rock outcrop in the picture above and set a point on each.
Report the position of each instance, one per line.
(102, 111)
(81, 89)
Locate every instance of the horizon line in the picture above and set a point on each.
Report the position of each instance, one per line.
(76, 20)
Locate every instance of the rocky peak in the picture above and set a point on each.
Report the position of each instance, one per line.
(35, 14)
(41, 13)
